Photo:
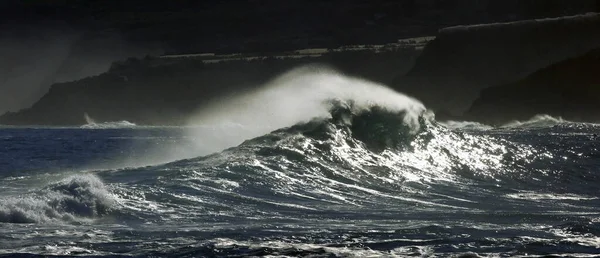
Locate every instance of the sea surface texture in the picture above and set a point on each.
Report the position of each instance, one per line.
(368, 182)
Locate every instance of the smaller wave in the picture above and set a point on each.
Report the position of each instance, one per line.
(92, 124)
(73, 199)
(541, 120)
(109, 125)
(465, 125)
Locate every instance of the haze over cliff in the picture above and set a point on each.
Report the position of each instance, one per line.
(167, 90)
(32, 59)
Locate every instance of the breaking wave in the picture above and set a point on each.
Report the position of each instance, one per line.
(313, 138)
(355, 159)
(73, 199)
(295, 97)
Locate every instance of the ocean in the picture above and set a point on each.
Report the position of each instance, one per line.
(364, 180)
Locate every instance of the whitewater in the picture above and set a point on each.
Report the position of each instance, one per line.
(312, 164)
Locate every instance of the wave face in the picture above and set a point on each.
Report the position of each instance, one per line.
(348, 177)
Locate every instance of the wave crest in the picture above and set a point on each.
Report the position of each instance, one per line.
(296, 97)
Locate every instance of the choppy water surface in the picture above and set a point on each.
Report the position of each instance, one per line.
(359, 183)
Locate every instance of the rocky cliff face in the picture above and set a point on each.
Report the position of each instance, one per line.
(569, 89)
(165, 91)
(463, 60)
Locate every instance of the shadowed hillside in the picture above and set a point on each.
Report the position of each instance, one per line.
(463, 60)
(569, 89)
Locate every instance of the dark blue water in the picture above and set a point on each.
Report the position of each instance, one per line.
(327, 188)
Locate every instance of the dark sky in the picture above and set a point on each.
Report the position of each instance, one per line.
(211, 25)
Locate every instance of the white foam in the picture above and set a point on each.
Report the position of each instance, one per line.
(343, 251)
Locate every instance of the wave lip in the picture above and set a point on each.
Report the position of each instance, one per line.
(74, 199)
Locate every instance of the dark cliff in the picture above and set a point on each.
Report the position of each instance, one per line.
(463, 60)
(165, 91)
(44, 42)
(569, 89)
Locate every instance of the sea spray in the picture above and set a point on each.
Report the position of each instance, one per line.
(297, 96)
